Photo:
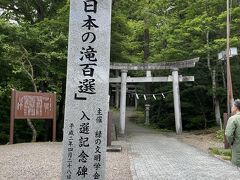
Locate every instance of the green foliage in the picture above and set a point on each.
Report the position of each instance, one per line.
(42, 41)
(162, 113)
(223, 153)
(30, 11)
(138, 118)
(220, 135)
(119, 39)
(177, 31)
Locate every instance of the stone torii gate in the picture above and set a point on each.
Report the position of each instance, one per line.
(175, 78)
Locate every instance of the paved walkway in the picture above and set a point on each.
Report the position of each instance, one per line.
(154, 156)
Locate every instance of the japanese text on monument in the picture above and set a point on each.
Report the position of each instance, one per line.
(87, 90)
(88, 55)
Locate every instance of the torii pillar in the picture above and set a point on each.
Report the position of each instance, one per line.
(117, 92)
(175, 78)
(136, 100)
(123, 100)
(177, 104)
(117, 97)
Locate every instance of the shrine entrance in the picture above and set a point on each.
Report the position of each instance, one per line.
(175, 78)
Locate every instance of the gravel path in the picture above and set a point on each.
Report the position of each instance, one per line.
(42, 161)
(118, 163)
(30, 161)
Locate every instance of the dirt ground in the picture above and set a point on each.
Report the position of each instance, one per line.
(201, 140)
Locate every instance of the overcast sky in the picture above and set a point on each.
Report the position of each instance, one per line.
(1, 11)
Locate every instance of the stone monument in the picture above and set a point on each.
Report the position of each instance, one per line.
(85, 123)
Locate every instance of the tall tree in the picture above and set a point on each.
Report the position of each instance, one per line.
(30, 10)
(44, 48)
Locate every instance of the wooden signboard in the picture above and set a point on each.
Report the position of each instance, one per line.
(32, 105)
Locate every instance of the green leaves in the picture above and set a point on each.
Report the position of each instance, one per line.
(177, 31)
(30, 11)
(32, 51)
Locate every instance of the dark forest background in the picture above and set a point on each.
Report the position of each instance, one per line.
(33, 55)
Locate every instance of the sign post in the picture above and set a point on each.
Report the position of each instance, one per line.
(32, 105)
(85, 122)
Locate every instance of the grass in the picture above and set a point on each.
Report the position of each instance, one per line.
(223, 153)
(219, 135)
(138, 118)
(113, 109)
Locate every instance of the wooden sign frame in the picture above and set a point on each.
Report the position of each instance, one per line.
(45, 108)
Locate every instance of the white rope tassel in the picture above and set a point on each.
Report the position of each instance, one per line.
(154, 97)
(163, 96)
(145, 97)
(137, 96)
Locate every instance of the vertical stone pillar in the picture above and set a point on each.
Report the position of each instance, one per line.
(86, 106)
(117, 91)
(147, 108)
(117, 96)
(136, 102)
(12, 116)
(123, 101)
(177, 105)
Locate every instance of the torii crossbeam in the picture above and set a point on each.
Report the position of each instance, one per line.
(175, 79)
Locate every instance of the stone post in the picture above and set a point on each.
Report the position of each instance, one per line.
(123, 101)
(147, 108)
(177, 105)
(136, 103)
(117, 92)
(117, 97)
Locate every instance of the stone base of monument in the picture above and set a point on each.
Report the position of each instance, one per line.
(114, 148)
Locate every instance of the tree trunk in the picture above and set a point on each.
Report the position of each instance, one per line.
(214, 85)
(146, 49)
(218, 113)
(223, 75)
(146, 44)
(34, 132)
(47, 124)
(40, 9)
(215, 99)
(30, 124)
(208, 54)
(31, 76)
(61, 111)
